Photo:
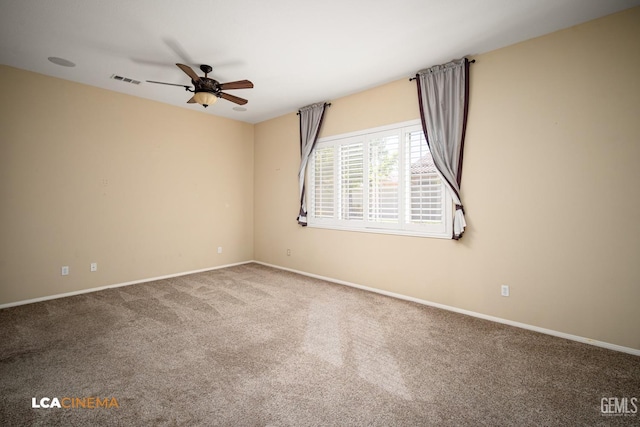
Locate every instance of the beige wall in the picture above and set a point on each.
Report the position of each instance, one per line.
(550, 185)
(142, 188)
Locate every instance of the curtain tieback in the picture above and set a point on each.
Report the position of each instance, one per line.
(460, 208)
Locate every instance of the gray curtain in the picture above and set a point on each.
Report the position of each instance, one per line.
(310, 122)
(443, 94)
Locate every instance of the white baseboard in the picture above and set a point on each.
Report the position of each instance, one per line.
(118, 285)
(571, 337)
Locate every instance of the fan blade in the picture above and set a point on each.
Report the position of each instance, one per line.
(232, 98)
(189, 72)
(170, 84)
(192, 100)
(240, 84)
(177, 48)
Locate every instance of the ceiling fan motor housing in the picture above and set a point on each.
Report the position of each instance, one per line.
(206, 84)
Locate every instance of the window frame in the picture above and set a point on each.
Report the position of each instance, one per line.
(403, 227)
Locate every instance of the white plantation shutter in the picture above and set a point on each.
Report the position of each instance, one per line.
(383, 176)
(380, 180)
(322, 177)
(424, 190)
(351, 170)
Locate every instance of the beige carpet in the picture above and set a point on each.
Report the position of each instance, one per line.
(255, 346)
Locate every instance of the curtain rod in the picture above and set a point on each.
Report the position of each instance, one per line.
(326, 104)
(470, 62)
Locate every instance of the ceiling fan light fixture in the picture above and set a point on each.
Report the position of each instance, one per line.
(205, 98)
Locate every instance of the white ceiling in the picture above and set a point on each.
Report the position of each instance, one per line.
(296, 52)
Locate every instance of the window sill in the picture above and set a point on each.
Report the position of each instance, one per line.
(410, 233)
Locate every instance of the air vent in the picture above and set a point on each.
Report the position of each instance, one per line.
(125, 79)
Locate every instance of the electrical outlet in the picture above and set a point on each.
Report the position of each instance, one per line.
(65, 270)
(288, 252)
(94, 266)
(219, 249)
(504, 290)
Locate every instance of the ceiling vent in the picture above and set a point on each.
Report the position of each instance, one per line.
(125, 79)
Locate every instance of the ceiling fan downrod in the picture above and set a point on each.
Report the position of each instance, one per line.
(206, 69)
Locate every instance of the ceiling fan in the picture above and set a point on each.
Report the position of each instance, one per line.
(207, 91)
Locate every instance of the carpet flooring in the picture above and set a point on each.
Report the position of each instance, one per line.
(255, 346)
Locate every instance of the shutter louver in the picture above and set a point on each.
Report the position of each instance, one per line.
(383, 179)
(322, 202)
(424, 189)
(351, 181)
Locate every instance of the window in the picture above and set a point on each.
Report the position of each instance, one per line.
(378, 180)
